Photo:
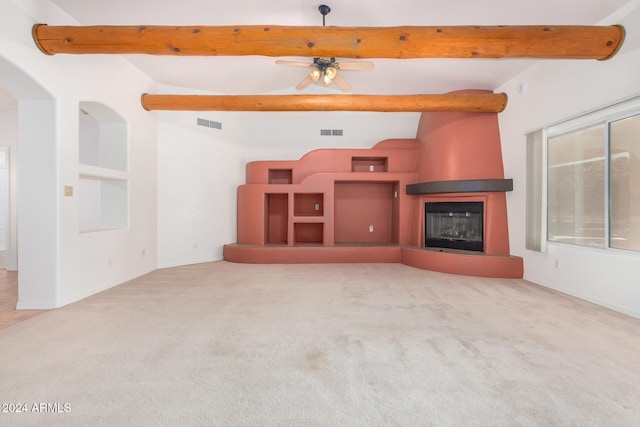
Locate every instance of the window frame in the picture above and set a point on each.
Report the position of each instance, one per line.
(604, 116)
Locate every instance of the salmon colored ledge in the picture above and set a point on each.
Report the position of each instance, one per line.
(480, 265)
(259, 254)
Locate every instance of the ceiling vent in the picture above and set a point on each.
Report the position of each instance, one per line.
(209, 123)
(330, 132)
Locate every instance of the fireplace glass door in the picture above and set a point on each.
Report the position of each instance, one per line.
(454, 225)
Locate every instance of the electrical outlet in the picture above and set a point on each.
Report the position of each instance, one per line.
(371, 168)
(371, 228)
(317, 206)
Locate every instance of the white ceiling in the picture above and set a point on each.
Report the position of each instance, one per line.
(252, 75)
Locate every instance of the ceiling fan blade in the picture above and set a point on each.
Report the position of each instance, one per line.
(294, 63)
(360, 65)
(341, 83)
(306, 82)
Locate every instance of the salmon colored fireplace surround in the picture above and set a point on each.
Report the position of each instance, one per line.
(367, 205)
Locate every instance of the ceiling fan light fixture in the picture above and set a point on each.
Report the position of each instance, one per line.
(328, 75)
(315, 75)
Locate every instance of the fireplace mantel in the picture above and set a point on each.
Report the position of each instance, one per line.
(460, 186)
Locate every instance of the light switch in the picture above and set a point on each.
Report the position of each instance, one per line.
(68, 190)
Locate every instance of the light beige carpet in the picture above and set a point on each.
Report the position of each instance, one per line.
(224, 344)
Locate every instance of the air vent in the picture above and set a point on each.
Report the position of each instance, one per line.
(330, 132)
(209, 123)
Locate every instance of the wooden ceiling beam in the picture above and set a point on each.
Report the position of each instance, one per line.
(464, 102)
(541, 41)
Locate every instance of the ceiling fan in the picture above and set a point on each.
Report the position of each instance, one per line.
(325, 70)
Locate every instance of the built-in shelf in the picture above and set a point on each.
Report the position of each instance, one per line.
(308, 219)
(280, 176)
(96, 172)
(369, 164)
(308, 204)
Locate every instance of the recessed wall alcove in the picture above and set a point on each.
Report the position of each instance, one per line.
(365, 212)
(103, 188)
(368, 205)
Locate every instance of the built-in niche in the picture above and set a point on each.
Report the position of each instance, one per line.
(369, 164)
(366, 212)
(276, 208)
(308, 204)
(280, 176)
(308, 233)
(103, 187)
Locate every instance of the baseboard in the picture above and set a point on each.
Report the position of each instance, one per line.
(36, 305)
(188, 262)
(585, 297)
(88, 293)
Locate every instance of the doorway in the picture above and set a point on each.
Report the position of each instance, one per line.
(36, 178)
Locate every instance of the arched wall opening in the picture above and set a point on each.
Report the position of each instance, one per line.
(37, 185)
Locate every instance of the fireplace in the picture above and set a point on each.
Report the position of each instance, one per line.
(454, 225)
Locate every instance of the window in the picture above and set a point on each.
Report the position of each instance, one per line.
(575, 193)
(624, 160)
(593, 179)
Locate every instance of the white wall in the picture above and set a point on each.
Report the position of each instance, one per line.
(290, 135)
(557, 90)
(199, 170)
(65, 265)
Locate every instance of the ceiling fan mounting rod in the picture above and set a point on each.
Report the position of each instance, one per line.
(559, 42)
(324, 11)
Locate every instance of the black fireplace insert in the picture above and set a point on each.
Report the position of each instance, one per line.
(454, 225)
